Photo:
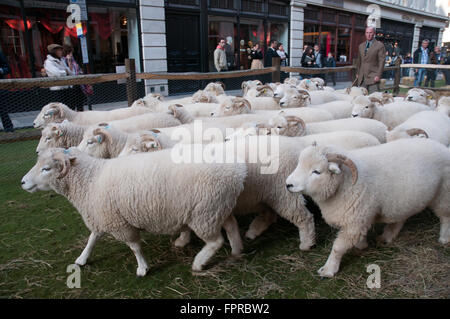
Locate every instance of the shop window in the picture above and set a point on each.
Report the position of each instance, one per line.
(226, 28)
(343, 45)
(183, 3)
(360, 21)
(311, 14)
(328, 40)
(251, 32)
(311, 34)
(345, 20)
(278, 9)
(329, 16)
(279, 32)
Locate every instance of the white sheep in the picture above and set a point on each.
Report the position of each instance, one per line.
(339, 109)
(104, 193)
(424, 96)
(263, 191)
(382, 184)
(444, 105)
(65, 134)
(216, 88)
(146, 141)
(202, 96)
(247, 85)
(57, 112)
(384, 97)
(283, 124)
(391, 114)
(148, 121)
(291, 81)
(428, 124)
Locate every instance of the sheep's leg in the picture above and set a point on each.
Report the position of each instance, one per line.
(341, 245)
(444, 236)
(184, 238)
(232, 229)
(82, 259)
(211, 247)
(260, 224)
(142, 264)
(390, 232)
(362, 244)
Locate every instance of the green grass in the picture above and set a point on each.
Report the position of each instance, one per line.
(41, 234)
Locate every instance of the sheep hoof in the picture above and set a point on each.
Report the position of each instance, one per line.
(81, 261)
(325, 272)
(382, 240)
(250, 235)
(197, 268)
(305, 246)
(141, 271)
(180, 243)
(443, 240)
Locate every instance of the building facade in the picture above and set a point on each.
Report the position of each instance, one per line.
(181, 35)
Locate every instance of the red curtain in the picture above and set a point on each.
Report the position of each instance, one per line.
(17, 24)
(103, 24)
(73, 31)
(53, 26)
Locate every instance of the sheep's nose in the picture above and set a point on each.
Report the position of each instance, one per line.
(212, 114)
(288, 186)
(23, 182)
(354, 115)
(409, 98)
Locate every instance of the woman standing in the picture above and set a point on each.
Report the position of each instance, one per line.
(257, 57)
(283, 54)
(308, 60)
(80, 91)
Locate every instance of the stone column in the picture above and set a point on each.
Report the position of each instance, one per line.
(440, 37)
(296, 28)
(153, 28)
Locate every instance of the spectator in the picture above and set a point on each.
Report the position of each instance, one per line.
(422, 56)
(330, 62)
(318, 58)
(79, 91)
(447, 72)
(271, 53)
(432, 73)
(4, 104)
(55, 67)
(397, 49)
(257, 57)
(220, 57)
(370, 63)
(394, 59)
(229, 52)
(283, 54)
(407, 60)
(308, 60)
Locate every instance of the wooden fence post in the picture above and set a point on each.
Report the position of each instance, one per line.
(131, 81)
(276, 76)
(397, 76)
(354, 70)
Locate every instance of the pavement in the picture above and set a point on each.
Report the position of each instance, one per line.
(25, 119)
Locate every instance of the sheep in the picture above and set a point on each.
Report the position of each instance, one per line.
(280, 89)
(391, 114)
(242, 106)
(283, 124)
(201, 109)
(428, 124)
(339, 109)
(444, 105)
(262, 191)
(57, 112)
(384, 97)
(146, 141)
(151, 120)
(202, 96)
(259, 91)
(216, 88)
(357, 188)
(309, 85)
(247, 85)
(295, 98)
(65, 134)
(291, 81)
(105, 194)
(424, 96)
(103, 141)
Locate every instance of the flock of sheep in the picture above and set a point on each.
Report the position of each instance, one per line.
(362, 158)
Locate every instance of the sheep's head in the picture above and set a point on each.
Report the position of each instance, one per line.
(423, 96)
(319, 173)
(295, 98)
(215, 88)
(151, 101)
(233, 106)
(308, 84)
(287, 125)
(51, 165)
(384, 97)
(247, 85)
(143, 142)
(249, 129)
(398, 133)
(320, 83)
(202, 96)
(291, 81)
(97, 140)
(54, 112)
(52, 136)
(357, 91)
(364, 106)
(444, 105)
(279, 90)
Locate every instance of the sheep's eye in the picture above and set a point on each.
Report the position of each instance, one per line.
(367, 107)
(279, 127)
(134, 149)
(90, 142)
(46, 169)
(47, 139)
(316, 172)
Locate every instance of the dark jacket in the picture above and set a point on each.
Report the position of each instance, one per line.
(418, 57)
(271, 53)
(306, 58)
(4, 66)
(330, 62)
(256, 55)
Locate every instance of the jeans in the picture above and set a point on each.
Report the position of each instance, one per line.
(419, 77)
(4, 110)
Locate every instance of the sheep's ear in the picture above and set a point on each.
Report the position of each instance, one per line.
(334, 168)
(150, 143)
(56, 131)
(100, 135)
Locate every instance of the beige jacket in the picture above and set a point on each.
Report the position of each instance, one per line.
(220, 60)
(371, 64)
